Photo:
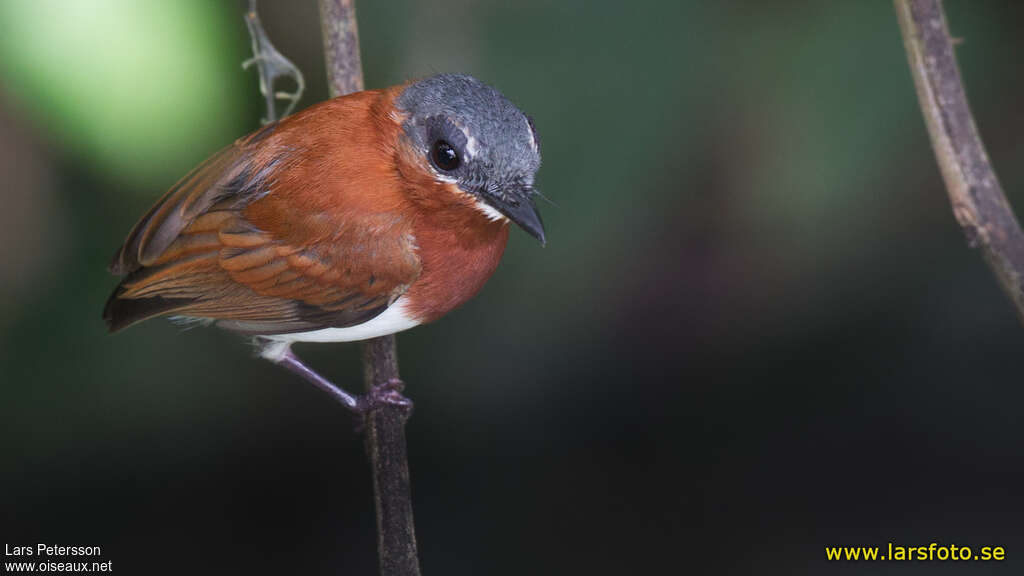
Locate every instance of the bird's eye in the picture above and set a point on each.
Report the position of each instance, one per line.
(444, 156)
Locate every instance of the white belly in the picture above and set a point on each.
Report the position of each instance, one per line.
(390, 321)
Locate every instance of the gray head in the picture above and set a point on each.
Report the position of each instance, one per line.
(474, 137)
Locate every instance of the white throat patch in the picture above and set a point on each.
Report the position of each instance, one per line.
(489, 211)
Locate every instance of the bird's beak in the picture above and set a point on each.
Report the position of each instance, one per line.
(518, 206)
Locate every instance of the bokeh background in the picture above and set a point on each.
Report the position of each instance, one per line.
(756, 329)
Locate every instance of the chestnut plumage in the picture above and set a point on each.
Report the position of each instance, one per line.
(357, 217)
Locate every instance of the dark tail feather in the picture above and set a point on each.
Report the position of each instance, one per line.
(120, 313)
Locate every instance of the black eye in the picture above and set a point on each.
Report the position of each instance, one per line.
(444, 156)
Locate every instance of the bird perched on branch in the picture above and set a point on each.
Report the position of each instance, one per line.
(358, 217)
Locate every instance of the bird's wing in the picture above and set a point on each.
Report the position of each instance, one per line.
(239, 171)
(224, 245)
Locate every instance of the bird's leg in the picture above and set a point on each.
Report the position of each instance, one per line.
(389, 393)
(290, 361)
(271, 65)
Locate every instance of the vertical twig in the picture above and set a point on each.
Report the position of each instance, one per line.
(385, 445)
(341, 46)
(978, 201)
(385, 424)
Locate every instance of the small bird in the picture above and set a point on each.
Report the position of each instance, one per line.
(358, 217)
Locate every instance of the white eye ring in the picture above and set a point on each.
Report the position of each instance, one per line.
(533, 135)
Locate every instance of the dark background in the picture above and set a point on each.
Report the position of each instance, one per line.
(756, 329)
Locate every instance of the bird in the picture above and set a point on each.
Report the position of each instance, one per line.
(358, 217)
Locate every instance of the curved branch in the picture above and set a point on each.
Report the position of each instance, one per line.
(271, 65)
(978, 201)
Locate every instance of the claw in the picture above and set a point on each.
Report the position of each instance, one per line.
(387, 394)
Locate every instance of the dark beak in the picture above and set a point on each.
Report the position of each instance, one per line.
(518, 206)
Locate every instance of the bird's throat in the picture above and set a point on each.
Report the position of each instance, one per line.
(457, 260)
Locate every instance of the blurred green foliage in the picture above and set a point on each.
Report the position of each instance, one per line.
(136, 87)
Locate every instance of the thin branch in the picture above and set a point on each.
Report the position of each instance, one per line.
(271, 65)
(341, 46)
(385, 423)
(385, 445)
(978, 201)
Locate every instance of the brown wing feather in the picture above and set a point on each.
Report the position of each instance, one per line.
(223, 244)
(239, 170)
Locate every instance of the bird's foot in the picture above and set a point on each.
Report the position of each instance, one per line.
(387, 395)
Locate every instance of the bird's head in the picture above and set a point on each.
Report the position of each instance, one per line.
(467, 135)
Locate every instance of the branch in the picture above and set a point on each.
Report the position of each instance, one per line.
(385, 445)
(385, 423)
(341, 46)
(271, 65)
(979, 204)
